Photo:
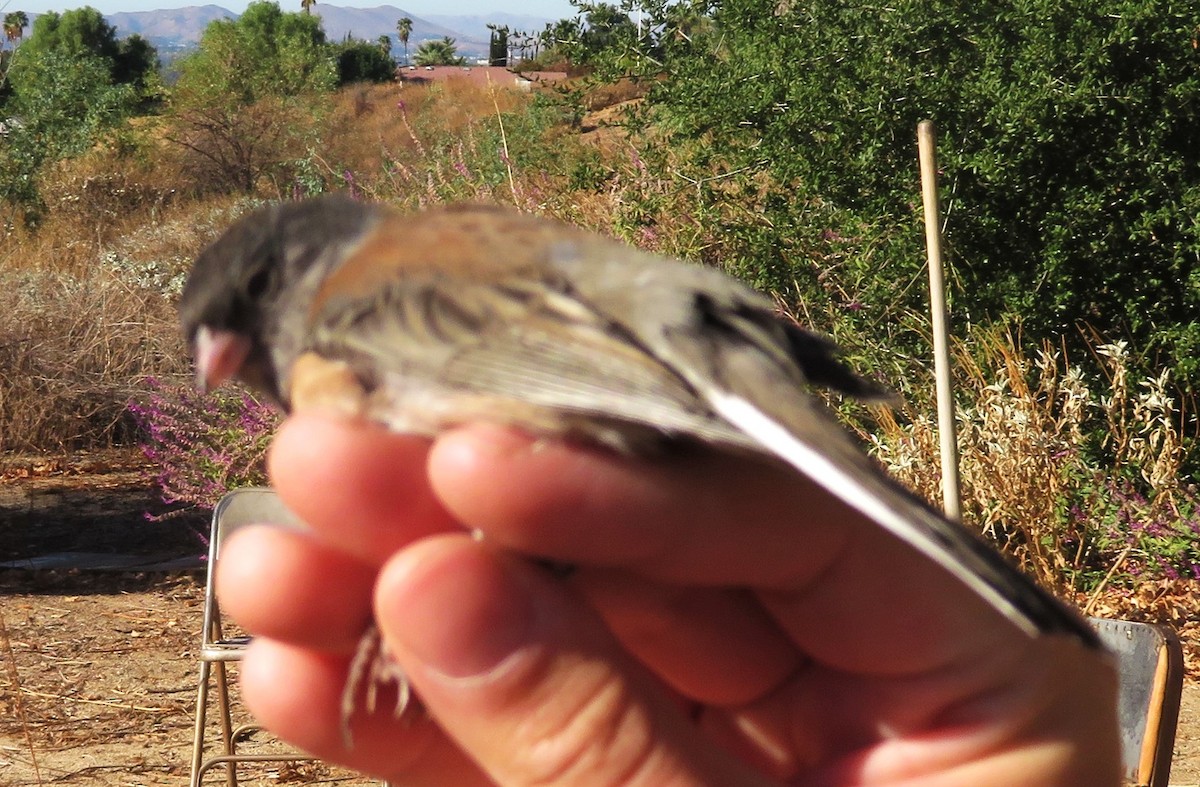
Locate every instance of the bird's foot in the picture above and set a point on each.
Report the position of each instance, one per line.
(371, 668)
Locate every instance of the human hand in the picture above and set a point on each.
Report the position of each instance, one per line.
(725, 623)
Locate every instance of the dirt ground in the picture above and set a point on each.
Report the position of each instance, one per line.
(97, 669)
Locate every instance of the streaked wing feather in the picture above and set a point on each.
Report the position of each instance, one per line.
(679, 349)
(504, 343)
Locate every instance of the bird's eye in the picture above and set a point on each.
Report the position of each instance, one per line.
(258, 284)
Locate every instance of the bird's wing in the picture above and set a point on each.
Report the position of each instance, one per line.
(751, 369)
(524, 350)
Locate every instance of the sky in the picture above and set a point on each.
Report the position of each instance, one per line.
(551, 9)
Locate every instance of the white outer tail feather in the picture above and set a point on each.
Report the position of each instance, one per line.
(866, 500)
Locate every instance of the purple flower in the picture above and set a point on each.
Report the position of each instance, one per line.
(202, 445)
(348, 176)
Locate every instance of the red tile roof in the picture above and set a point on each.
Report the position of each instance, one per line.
(496, 75)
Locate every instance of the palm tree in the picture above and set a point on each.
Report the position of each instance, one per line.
(15, 23)
(307, 5)
(385, 44)
(403, 30)
(442, 52)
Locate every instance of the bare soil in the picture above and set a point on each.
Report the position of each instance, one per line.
(97, 668)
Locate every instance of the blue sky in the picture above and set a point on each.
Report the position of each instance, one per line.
(551, 9)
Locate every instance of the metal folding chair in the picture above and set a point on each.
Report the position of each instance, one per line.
(237, 508)
(1150, 674)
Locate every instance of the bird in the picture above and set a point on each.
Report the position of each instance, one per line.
(423, 321)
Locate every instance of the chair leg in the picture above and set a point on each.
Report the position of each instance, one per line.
(201, 716)
(226, 722)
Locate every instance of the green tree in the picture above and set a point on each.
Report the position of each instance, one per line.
(606, 32)
(64, 103)
(498, 45)
(1069, 130)
(83, 32)
(359, 61)
(307, 5)
(681, 24)
(403, 31)
(561, 42)
(136, 63)
(265, 52)
(246, 96)
(15, 23)
(565, 33)
(72, 81)
(439, 52)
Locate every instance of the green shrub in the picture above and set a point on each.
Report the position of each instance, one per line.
(1069, 131)
(359, 61)
(203, 445)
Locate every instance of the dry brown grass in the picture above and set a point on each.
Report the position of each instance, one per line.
(619, 92)
(72, 352)
(87, 312)
(414, 143)
(1028, 460)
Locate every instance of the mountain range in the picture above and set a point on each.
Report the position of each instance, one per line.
(178, 28)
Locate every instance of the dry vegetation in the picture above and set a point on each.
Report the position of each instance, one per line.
(86, 297)
(1030, 479)
(84, 319)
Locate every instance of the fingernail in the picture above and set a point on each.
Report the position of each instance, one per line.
(457, 606)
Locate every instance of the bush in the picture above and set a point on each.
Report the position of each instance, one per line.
(359, 61)
(64, 104)
(73, 349)
(1068, 128)
(1032, 436)
(83, 32)
(203, 445)
(250, 97)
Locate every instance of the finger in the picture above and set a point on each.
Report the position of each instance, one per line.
(1041, 715)
(713, 646)
(697, 516)
(296, 693)
(527, 680)
(361, 488)
(838, 584)
(884, 609)
(289, 586)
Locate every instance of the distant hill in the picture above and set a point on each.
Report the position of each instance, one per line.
(177, 28)
(370, 23)
(476, 26)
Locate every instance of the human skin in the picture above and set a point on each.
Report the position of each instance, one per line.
(724, 622)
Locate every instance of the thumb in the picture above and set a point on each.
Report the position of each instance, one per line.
(527, 680)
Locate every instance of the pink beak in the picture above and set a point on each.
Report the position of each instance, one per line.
(219, 356)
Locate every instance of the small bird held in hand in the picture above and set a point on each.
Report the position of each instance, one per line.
(480, 313)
